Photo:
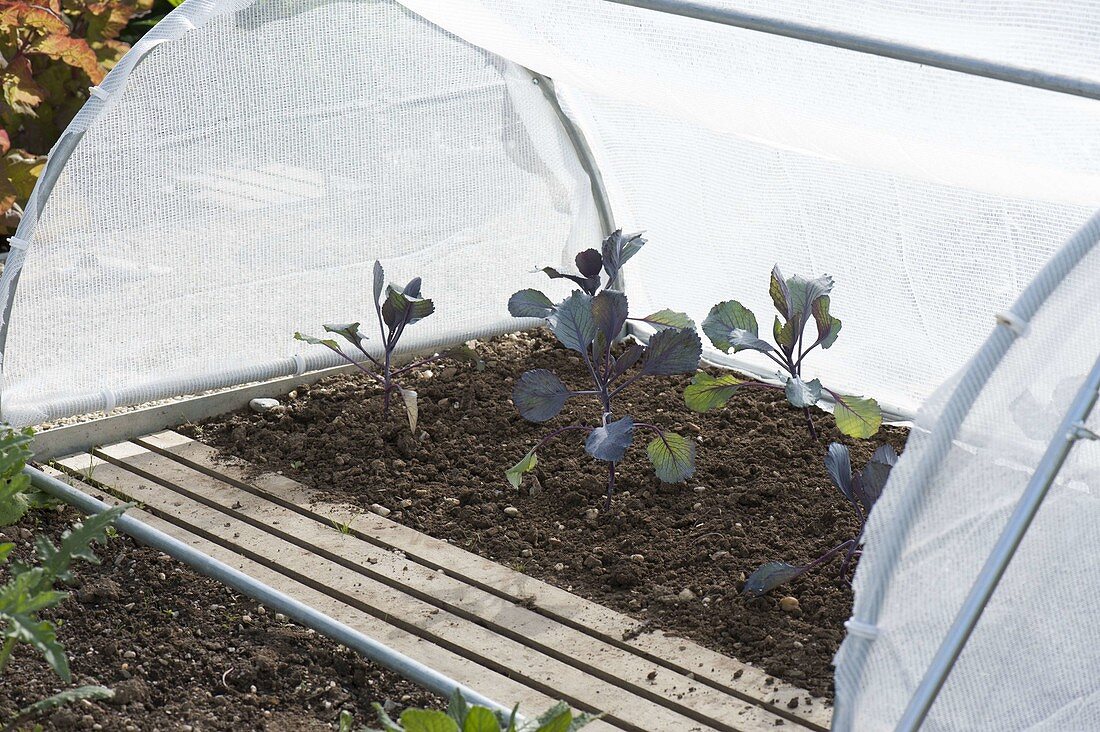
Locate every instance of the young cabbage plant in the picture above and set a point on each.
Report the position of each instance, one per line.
(732, 326)
(588, 322)
(400, 308)
(860, 489)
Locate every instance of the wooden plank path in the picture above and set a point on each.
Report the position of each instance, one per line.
(510, 636)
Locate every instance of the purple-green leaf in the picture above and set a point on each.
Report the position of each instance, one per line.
(746, 340)
(673, 457)
(402, 308)
(349, 331)
(572, 322)
(781, 296)
(609, 443)
(539, 395)
(858, 417)
(588, 284)
(874, 476)
(769, 576)
(672, 351)
(617, 249)
(589, 263)
(667, 319)
(802, 393)
(379, 280)
(838, 463)
(708, 392)
(609, 310)
(828, 327)
(326, 342)
(629, 357)
(724, 318)
(530, 304)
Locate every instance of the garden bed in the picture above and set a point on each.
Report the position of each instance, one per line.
(673, 555)
(183, 652)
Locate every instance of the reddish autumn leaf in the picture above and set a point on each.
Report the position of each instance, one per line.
(20, 91)
(73, 51)
(26, 16)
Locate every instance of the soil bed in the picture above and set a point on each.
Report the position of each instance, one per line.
(183, 652)
(673, 555)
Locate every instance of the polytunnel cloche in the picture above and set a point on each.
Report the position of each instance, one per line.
(235, 177)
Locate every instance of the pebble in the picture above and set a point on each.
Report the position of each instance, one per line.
(700, 489)
(406, 503)
(637, 558)
(789, 604)
(686, 595)
(592, 515)
(526, 553)
(262, 405)
(280, 618)
(511, 512)
(129, 654)
(380, 509)
(697, 506)
(592, 561)
(559, 567)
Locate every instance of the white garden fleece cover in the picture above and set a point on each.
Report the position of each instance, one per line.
(235, 177)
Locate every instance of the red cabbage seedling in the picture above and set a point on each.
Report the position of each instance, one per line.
(730, 325)
(861, 490)
(588, 322)
(401, 307)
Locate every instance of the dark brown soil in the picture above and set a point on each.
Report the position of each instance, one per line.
(675, 555)
(183, 652)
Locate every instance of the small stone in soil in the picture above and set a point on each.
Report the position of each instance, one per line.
(789, 604)
(511, 512)
(380, 509)
(686, 595)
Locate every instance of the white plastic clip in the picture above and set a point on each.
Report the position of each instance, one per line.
(1013, 322)
(16, 243)
(299, 365)
(109, 400)
(99, 93)
(860, 629)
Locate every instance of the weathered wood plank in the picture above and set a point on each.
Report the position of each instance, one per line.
(463, 670)
(303, 563)
(593, 656)
(676, 654)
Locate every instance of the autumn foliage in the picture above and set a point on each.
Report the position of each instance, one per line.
(51, 51)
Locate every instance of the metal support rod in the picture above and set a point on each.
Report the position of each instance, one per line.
(973, 66)
(367, 647)
(1069, 432)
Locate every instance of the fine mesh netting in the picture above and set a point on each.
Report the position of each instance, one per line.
(241, 183)
(237, 184)
(1032, 661)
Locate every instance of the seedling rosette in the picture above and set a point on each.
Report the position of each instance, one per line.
(860, 489)
(400, 308)
(732, 326)
(588, 322)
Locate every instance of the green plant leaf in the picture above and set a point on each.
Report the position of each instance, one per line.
(745, 340)
(572, 322)
(530, 303)
(769, 576)
(673, 457)
(707, 392)
(62, 698)
(628, 358)
(349, 331)
(326, 342)
(802, 393)
(828, 327)
(457, 707)
(668, 319)
(539, 395)
(858, 417)
(725, 317)
(609, 442)
(427, 720)
(388, 725)
(617, 249)
(515, 473)
(402, 308)
(672, 351)
(480, 719)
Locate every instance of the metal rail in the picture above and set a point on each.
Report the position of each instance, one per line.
(871, 45)
(366, 646)
(1069, 432)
